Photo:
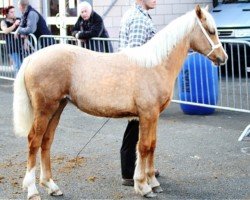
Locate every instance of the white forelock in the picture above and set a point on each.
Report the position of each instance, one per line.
(155, 50)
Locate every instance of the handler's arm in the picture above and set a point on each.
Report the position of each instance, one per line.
(31, 27)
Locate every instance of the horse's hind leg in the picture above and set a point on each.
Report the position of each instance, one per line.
(42, 114)
(46, 175)
(34, 142)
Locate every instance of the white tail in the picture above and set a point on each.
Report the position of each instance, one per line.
(22, 109)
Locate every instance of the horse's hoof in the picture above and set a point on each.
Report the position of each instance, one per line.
(56, 193)
(150, 195)
(34, 197)
(157, 189)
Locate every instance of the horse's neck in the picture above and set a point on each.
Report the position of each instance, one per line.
(174, 61)
(165, 45)
(178, 43)
(161, 46)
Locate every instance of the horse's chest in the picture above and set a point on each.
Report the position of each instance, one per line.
(166, 98)
(165, 104)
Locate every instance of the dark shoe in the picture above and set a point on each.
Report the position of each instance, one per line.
(130, 182)
(157, 173)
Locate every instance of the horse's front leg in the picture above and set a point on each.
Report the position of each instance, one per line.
(141, 186)
(150, 170)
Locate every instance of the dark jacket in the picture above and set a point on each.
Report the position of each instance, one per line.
(93, 27)
(42, 28)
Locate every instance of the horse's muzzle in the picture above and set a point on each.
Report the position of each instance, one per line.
(221, 61)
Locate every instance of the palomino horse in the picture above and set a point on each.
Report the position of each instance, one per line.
(135, 82)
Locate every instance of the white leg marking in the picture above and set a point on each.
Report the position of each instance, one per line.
(52, 188)
(50, 185)
(153, 182)
(30, 182)
(41, 172)
(141, 188)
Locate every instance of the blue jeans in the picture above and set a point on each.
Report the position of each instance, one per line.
(16, 60)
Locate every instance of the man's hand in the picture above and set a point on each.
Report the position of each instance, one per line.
(17, 22)
(16, 34)
(77, 35)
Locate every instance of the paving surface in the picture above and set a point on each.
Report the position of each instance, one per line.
(199, 157)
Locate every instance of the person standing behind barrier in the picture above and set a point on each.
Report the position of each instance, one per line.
(89, 25)
(136, 29)
(32, 22)
(8, 25)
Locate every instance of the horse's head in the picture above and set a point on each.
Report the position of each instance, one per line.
(205, 38)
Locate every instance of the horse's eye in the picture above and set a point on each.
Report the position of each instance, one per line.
(211, 32)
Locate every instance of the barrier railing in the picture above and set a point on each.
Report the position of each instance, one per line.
(226, 88)
(106, 45)
(13, 49)
(46, 40)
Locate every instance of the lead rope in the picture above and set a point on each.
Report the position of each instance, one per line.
(90, 140)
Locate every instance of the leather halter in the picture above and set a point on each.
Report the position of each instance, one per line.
(214, 46)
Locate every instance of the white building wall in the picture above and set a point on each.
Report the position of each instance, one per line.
(165, 11)
(35, 4)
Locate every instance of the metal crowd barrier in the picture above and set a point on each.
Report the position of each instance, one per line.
(107, 45)
(13, 49)
(46, 40)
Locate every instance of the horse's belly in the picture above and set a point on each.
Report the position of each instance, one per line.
(116, 107)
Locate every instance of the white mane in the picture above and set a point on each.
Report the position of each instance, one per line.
(153, 52)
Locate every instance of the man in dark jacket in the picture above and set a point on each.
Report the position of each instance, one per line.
(32, 22)
(89, 25)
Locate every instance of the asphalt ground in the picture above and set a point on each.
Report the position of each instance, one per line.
(199, 157)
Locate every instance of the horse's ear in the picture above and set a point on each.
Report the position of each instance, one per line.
(207, 8)
(198, 11)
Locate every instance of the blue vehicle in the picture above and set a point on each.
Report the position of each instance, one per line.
(232, 18)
